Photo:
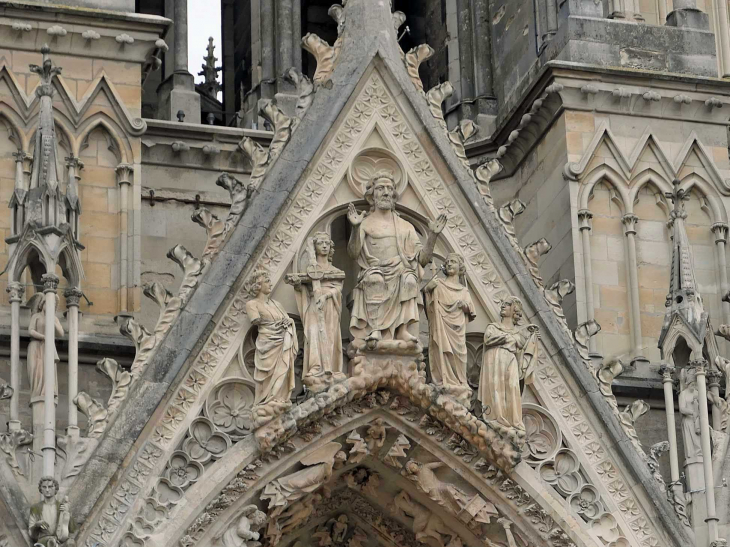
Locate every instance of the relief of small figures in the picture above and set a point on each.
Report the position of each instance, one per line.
(510, 356)
(276, 351)
(449, 308)
(319, 301)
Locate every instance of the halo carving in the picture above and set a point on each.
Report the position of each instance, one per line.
(371, 161)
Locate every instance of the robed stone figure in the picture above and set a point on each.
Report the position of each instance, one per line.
(319, 300)
(49, 522)
(510, 355)
(391, 257)
(449, 308)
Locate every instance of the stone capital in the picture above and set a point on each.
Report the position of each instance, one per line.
(505, 523)
(667, 372)
(73, 297)
(124, 173)
(73, 161)
(584, 219)
(700, 365)
(20, 156)
(50, 282)
(713, 378)
(16, 291)
(720, 230)
(629, 220)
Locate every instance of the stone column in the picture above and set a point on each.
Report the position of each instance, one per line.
(584, 225)
(73, 296)
(483, 55)
(507, 525)
(177, 93)
(687, 15)
(268, 74)
(668, 384)
(50, 284)
(124, 171)
(629, 220)
(711, 519)
(284, 35)
(722, 34)
(15, 290)
(720, 230)
(466, 59)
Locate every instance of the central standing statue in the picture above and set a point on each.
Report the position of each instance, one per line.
(391, 259)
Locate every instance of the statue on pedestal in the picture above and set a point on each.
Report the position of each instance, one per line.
(510, 355)
(49, 522)
(36, 349)
(689, 408)
(319, 300)
(276, 350)
(391, 259)
(449, 308)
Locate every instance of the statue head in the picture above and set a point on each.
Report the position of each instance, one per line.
(323, 245)
(512, 307)
(260, 282)
(413, 467)
(454, 265)
(48, 487)
(687, 377)
(381, 192)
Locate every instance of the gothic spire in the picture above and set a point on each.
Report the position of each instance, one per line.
(44, 204)
(683, 299)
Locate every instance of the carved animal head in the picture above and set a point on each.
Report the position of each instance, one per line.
(584, 331)
(90, 407)
(559, 290)
(273, 114)
(635, 410)
(108, 367)
(181, 256)
(232, 184)
(204, 218)
(130, 328)
(509, 211)
(536, 250)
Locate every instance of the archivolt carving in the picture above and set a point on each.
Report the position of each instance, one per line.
(214, 227)
(465, 131)
(229, 407)
(533, 253)
(436, 97)
(583, 333)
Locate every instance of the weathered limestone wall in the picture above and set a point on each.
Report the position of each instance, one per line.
(540, 185)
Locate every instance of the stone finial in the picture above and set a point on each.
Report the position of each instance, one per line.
(210, 85)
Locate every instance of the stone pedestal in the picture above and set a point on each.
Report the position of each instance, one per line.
(178, 93)
(686, 15)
